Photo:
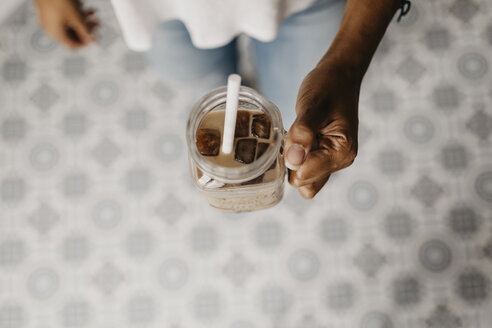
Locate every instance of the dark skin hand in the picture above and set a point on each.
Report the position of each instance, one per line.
(68, 22)
(323, 139)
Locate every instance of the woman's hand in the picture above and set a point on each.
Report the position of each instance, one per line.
(323, 139)
(67, 22)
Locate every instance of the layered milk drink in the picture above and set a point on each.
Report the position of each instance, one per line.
(251, 177)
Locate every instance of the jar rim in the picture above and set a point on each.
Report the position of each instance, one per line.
(212, 100)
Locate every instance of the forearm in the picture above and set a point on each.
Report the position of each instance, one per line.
(363, 25)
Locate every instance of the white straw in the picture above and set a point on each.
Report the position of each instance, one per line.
(233, 84)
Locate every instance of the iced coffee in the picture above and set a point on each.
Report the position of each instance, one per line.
(251, 177)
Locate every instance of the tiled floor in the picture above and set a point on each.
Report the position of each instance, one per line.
(100, 225)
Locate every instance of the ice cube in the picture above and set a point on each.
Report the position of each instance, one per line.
(245, 151)
(261, 126)
(262, 147)
(208, 142)
(242, 124)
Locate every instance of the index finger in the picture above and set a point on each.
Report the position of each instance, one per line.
(321, 163)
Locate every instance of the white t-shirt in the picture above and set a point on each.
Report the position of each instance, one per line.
(211, 23)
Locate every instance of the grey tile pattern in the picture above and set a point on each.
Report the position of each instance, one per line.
(100, 225)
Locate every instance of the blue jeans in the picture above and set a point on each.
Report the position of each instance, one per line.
(280, 65)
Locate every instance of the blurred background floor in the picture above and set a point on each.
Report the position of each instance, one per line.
(100, 225)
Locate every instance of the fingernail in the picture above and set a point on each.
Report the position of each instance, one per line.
(294, 157)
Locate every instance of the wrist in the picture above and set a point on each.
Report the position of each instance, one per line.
(343, 65)
(363, 25)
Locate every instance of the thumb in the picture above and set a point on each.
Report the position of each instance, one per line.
(298, 144)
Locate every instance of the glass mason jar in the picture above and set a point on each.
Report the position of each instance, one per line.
(249, 187)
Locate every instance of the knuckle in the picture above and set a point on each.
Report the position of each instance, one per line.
(295, 182)
(350, 159)
(300, 176)
(352, 154)
(307, 192)
(352, 149)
